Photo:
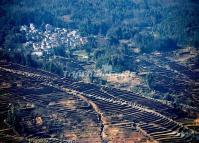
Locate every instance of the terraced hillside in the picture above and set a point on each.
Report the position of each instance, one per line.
(39, 106)
(175, 74)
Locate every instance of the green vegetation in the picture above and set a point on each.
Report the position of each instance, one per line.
(151, 25)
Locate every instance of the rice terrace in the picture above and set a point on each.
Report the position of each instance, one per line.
(99, 71)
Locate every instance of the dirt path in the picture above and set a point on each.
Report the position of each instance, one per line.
(103, 120)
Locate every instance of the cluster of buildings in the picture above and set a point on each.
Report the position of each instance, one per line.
(41, 40)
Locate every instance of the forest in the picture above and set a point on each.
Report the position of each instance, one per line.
(113, 27)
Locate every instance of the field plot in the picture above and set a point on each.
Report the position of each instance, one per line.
(170, 76)
(39, 106)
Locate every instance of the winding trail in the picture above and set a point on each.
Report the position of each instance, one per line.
(102, 118)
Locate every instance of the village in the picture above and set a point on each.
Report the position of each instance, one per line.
(43, 40)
